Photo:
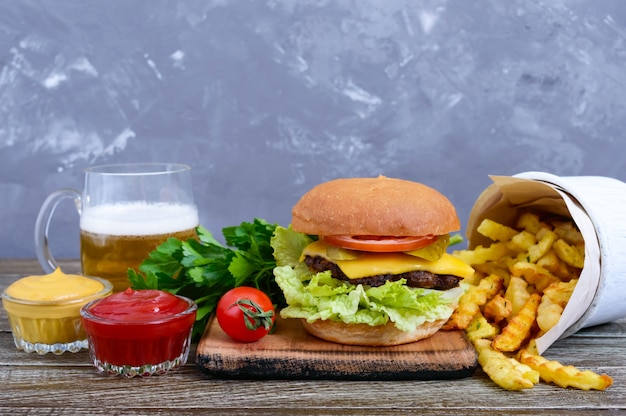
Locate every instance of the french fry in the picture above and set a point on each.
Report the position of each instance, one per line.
(517, 293)
(553, 302)
(565, 376)
(528, 372)
(551, 262)
(503, 370)
(471, 301)
(569, 254)
(481, 254)
(480, 328)
(568, 232)
(496, 231)
(491, 268)
(519, 327)
(531, 348)
(530, 222)
(498, 309)
(521, 242)
(538, 250)
(548, 314)
(561, 292)
(534, 274)
(523, 282)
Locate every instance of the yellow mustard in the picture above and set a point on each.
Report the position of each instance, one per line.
(44, 311)
(56, 286)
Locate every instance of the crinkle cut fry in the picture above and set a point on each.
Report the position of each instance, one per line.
(506, 372)
(565, 375)
(518, 328)
(471, 301)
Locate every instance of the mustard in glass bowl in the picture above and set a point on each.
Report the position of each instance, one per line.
(44, 310)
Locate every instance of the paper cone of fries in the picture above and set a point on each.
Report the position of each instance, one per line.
(597, 206)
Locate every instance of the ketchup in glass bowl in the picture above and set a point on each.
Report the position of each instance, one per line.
(139, 332)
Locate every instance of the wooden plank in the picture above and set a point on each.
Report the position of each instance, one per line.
(291, 353)
(37, 385)
(24, 267)
(42, 388)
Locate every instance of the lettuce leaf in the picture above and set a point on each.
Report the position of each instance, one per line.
(314, 296)
(288, 246)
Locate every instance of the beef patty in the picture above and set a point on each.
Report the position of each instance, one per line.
(422, 279)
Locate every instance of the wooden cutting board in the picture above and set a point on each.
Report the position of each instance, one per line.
(291, 353)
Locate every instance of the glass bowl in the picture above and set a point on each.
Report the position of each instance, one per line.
(50, 326)
(129, 342)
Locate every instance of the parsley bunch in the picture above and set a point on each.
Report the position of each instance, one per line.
(203, 269)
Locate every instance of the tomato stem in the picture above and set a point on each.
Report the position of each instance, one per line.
(254, 315)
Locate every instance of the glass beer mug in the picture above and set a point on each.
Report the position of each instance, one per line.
(125, 212)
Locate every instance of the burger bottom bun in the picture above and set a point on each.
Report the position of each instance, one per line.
(367, 335)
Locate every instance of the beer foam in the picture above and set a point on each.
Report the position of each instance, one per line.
(138, 218)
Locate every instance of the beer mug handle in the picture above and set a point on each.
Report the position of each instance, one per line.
(44, 255)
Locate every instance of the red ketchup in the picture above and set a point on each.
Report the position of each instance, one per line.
(139, 328)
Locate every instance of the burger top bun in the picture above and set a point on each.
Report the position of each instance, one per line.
(370, 336)
(374, 206)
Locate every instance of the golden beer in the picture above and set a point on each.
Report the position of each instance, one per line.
(116, 237)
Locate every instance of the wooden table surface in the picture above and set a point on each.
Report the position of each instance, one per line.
(68, 384)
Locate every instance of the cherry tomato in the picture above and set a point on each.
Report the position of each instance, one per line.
(246, 314)
(380, 244)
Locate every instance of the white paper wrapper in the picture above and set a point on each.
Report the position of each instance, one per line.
(598, 207)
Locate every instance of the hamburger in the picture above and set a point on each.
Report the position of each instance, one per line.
(364, 261)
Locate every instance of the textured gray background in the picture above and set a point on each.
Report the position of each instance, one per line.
(266, 98)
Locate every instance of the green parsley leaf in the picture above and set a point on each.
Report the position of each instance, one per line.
(203, 269)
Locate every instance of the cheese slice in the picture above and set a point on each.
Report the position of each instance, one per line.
(372, 264)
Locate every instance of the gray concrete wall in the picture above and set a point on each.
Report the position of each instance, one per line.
(266, 98)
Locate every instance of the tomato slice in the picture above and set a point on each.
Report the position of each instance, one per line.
(379, 244)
